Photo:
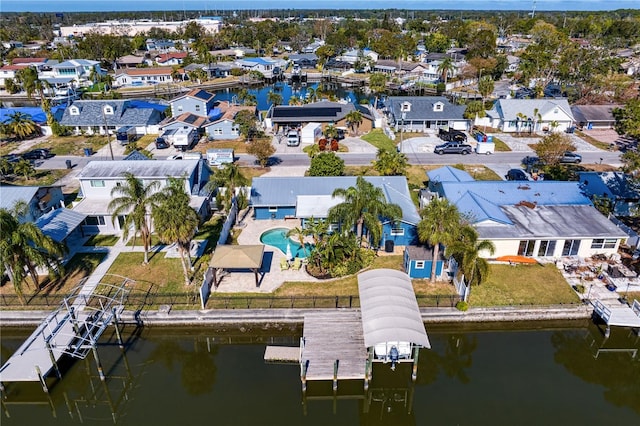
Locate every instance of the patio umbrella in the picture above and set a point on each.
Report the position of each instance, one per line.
(288, 254)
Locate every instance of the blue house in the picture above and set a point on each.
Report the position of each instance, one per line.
(306, 197)
(197, 101)
(222, 125)
(418, 261)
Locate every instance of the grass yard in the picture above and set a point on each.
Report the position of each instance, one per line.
(500, 145)
(595, 142)
(102, 240)
(378, 139)
(523, 285)
(40, 178)
(239, 146)
(73, 145)
(80, 266)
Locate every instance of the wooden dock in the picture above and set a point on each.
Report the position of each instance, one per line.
(329, 337)
(619, 315)
(277, 354)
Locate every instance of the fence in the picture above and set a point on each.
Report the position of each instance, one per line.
(192, 300)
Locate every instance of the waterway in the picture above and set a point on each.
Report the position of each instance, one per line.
(524, 374)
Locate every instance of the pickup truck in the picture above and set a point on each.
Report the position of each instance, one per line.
(452, 135)
(453, 148)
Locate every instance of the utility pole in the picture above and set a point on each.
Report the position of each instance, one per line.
(106, 129)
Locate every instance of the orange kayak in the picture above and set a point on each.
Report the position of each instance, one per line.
(517, 259)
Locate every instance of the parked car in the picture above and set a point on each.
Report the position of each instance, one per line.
(11, 158)
(453, 148)
(516, 174)
(571, 157)
(161, 143)
(37, 154)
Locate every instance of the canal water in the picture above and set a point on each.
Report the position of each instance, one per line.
(534, 374)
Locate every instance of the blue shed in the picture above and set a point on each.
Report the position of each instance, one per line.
(418, 260)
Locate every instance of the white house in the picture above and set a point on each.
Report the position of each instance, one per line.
(142, 76)
(530, 115)
(268, 67)
(80, 70)
(98, 178)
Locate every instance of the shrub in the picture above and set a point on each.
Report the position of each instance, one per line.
(322, 143)
(579, 288)
(462, 306)
(334, 145)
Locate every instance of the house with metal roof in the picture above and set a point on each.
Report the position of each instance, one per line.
(98, 178)
(594, 116)
(537, 219)
(79, 69)
(530, 115)
(96, 116)
(62, 225)
(268, 67)
(616, 187)
(323, 112)
(307, 197)
(143, 76)
(419, 113)
(39, 199)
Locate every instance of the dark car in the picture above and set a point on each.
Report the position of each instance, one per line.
(11, 158)
(516, 174)
(571, 157)
(37, 154)
(161, 143)
(453, 148)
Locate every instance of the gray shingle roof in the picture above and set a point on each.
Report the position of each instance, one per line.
(422, 108)
(123, 114)
(586, 113)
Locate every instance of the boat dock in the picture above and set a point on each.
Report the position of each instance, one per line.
(332, 346)
(620, 314)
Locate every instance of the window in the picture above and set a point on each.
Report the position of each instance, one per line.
(273, 209)
(547, 248)
(217, 131)
(526, 248)
(419, 264)
(108, 110)
(94, 220)
(97, 183)
(600, 243)
(74, 110)
(397, 231)
(405, 107)
(438, 106)
(197, 107)
(179, 107)
(571, 247)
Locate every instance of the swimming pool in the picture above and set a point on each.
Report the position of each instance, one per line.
(277, 237)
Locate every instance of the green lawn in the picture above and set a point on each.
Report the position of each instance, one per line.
(40, 178)
(102, 240)
(160, 274)
(73, 145)
(523, 285)
(500, 145)
(378, 139)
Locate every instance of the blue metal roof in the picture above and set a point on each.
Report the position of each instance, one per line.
(449, 174)
(258, 61)
(477, 209)
(283, 191)
(59, 223)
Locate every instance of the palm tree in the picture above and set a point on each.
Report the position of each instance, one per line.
(22, 125)
(520, 118)
(135, 200)
(446, 68)
(274, 98)
(364, 205)
(230, 177)
(24, 247)
(390, 163)
(354, 119)
(466, 250)
(24, 168)
(439, 223)
(175, 221)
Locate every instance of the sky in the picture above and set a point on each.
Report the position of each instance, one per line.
(212, 5)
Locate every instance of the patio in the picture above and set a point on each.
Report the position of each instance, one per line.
(272, 275)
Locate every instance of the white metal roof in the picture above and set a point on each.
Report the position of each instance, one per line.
(389, 308)
(315, 205)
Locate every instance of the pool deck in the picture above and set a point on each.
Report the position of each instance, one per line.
(274, 277)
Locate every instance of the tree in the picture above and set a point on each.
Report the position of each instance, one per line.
(326, 164)
(446, 68)
(324, 53)
(466, 249)
(378, 82)
(439, 223)
(246, 121)
(474, 109)
(175, 221)
(274, 98)
(27, 77)
(354, 120)
(390, 163)
(552, 147)
(262, 149)
(485, 86)
(628, 119)
(21, 125)
(229, 177)
(134, 200)
(24, 247)
(25, 168)
(364, 206)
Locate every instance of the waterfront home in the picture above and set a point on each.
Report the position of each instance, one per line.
(167, 59)
(594, 117)
(143, 76)
(402, 68)
(615, 188)
(268, 67)
(81, 70)
(324, 112)
(130, 61)
(197, 101)
(304, 60)
(39, 199)
(8, 72)
(94, 117)
(530, 115)
(310, 197)
(419, 113)
(221, 125)
(98, 178)
(537, 219)
(417, 261)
